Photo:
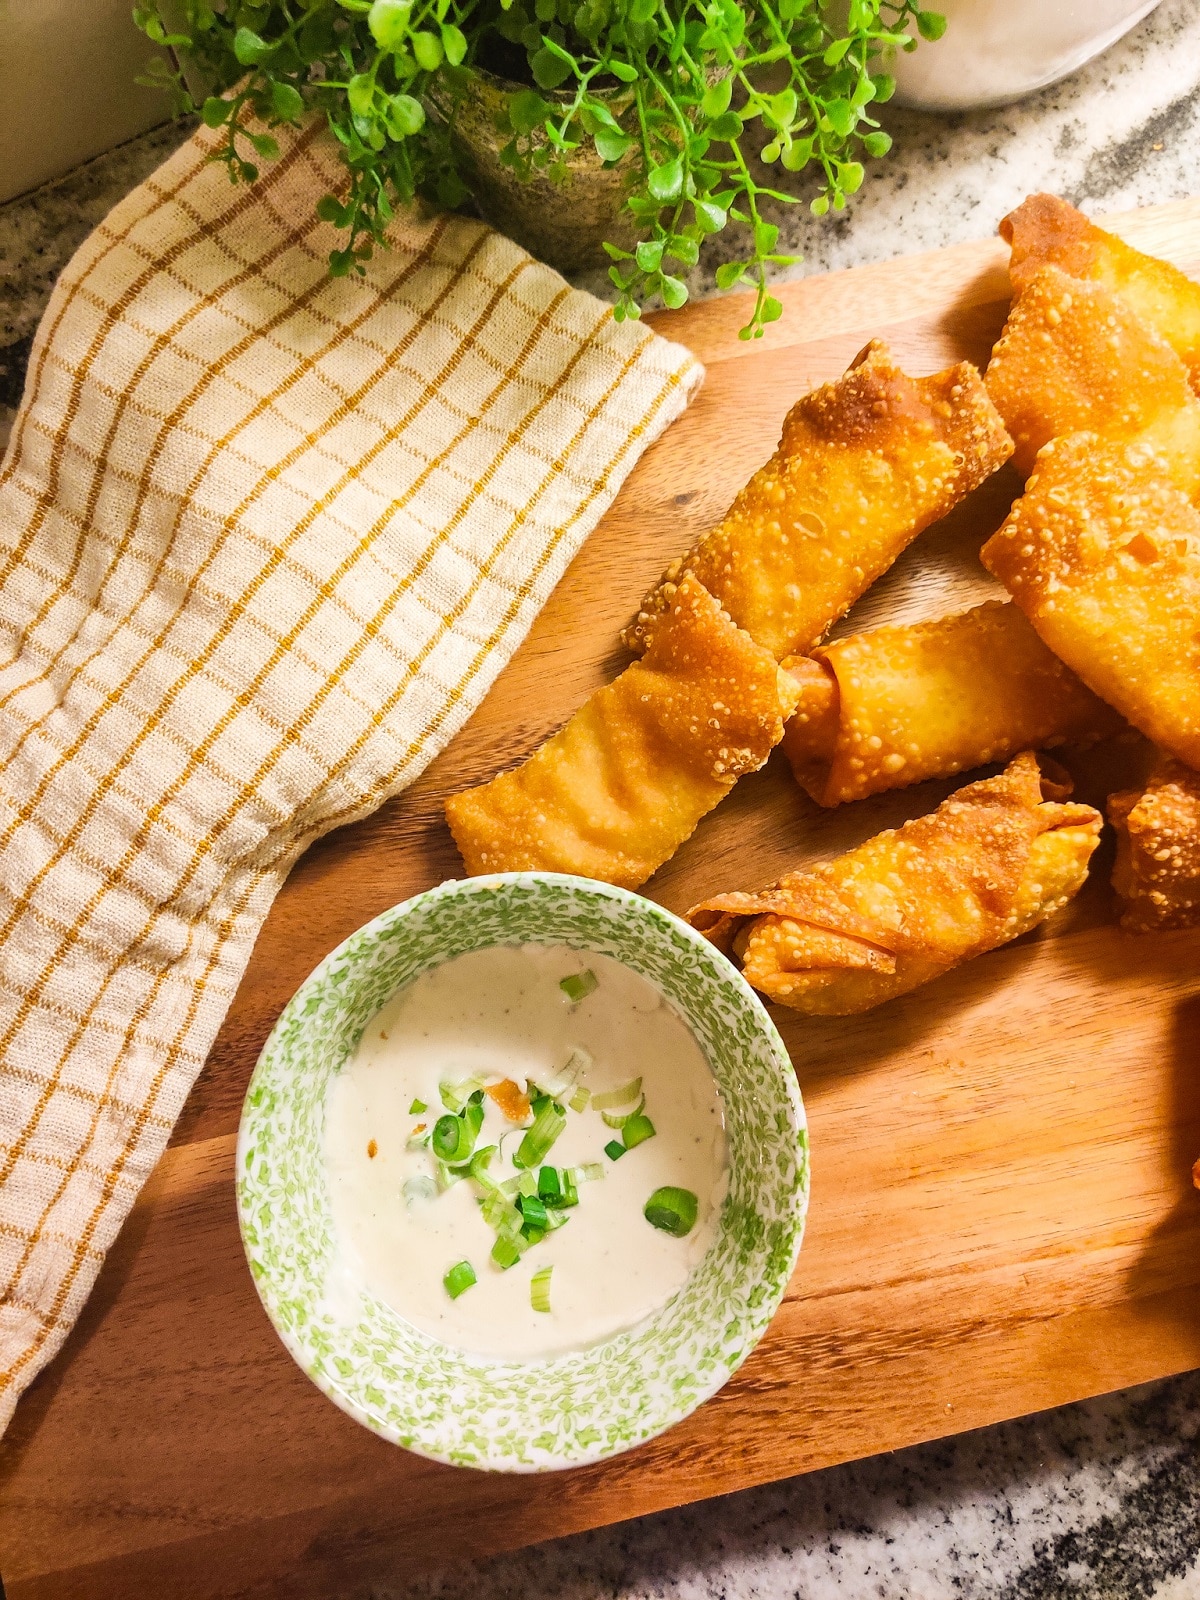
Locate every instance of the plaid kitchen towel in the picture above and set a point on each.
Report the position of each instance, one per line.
(266, 537)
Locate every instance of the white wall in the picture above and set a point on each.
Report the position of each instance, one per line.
(66, 86)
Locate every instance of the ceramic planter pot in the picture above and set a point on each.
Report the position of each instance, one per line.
(562, 223)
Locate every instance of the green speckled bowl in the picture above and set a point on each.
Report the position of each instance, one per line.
(567, 1409)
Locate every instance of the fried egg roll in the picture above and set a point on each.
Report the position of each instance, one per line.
(1157, 870)
(618, 790)
(1047, 231)
(864, 464)
(1074, 358)
(897, 705)
(991, 862)
(1102, 553)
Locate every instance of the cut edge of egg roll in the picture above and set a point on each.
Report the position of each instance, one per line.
(1102, 553)
(899, 704)
(1074, 357)
(864, 464)
(1156, 874)
(1045, 230)
(994, 860)
(615, 792)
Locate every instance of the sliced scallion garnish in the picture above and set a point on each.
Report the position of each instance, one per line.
(549, 1186)
(533, 1214)
(549, 1121)
(614, 1150)
(420, 1188)
(579, 985)
(618, 1119)
(672, 1210)
(455, 1095)
(587, 1173)
(458, 1278)
(417, 1107)
(453, 1139)
(507, 1250)
(447, 1177)
(539, 1289)
(612, 1099)
(579, 1100)
(636, 1131)
(480, 1162)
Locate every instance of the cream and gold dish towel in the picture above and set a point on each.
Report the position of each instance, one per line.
(266, 537)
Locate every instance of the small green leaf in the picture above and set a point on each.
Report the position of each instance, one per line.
(527, 110)
(728, 127)
(729, 273)
(287, 101)
(549, 69)
(770, 152)
(772, 309)
(931, 24)
(454, 43)
(710, 217)
(820, 205)
(249, 48)
(611, 144)
(649, 254)
(388, 21)
(615, 253)
(360, 92)
(877, 144)
(850, 176)
(329, 209)
(765, 235)
(715, 99)
(665, 183)
(674, 292)
(427, 48)
(835, 52)
(215, 111)
(885, 87)
(266, 146)
(840, 114)
(623, 72)
(405, 116)
(684, 250)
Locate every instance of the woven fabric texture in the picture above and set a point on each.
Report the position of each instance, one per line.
(266, 538)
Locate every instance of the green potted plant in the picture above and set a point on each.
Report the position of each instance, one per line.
(639, 126)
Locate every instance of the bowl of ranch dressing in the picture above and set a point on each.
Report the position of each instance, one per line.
(522, 1172)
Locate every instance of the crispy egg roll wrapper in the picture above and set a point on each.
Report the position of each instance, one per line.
(1046, 231)
(618, 790)
(1157, 871)
(991, 862)
(864, 464)
(1102, 553)
(1074, 358)
(898, 705)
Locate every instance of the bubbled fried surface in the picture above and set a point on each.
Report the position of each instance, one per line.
(933, 698)
(1074, 357)
(1102, 553)
(990, 863)
(1157, 870)
(1046, 231)
(864, 464)
(618, 790)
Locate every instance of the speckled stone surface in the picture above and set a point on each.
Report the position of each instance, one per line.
(1099, 1501)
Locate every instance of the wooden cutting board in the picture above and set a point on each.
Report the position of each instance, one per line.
(1002, 1216)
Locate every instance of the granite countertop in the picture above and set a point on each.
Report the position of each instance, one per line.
(1097, 1501)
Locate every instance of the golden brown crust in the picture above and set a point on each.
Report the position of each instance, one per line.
(896, 705)
(1046, 230)
(990, 863)
(1157, 870)
(1074, 357)
(618, 790)
(864, 464)
(1102, 553)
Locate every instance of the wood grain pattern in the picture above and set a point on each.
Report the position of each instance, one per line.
(1002, 1215)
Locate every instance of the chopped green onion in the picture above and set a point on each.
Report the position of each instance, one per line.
(578, 1061)
(526, 1183)
(587, 1173)
(459, 1278)
(672, 1210)
(626, 1095)
(539, 1289)
(614, 1150)
(533, 1236)
(579, 985)
(499, 1213)
(453, 1139)
(549, 1186)
(455, 1095)
(447, 1177)
(579, 1100)
(555, 1219)
(421, 1188)
(533, 1214)
(480, 1162)
(417, 1106)
(636, 1131)
(417, 1141)
(549, 1121)
(618, 1119)
(506, 1252)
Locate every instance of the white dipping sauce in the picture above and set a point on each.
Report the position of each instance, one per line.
(494, 1014)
